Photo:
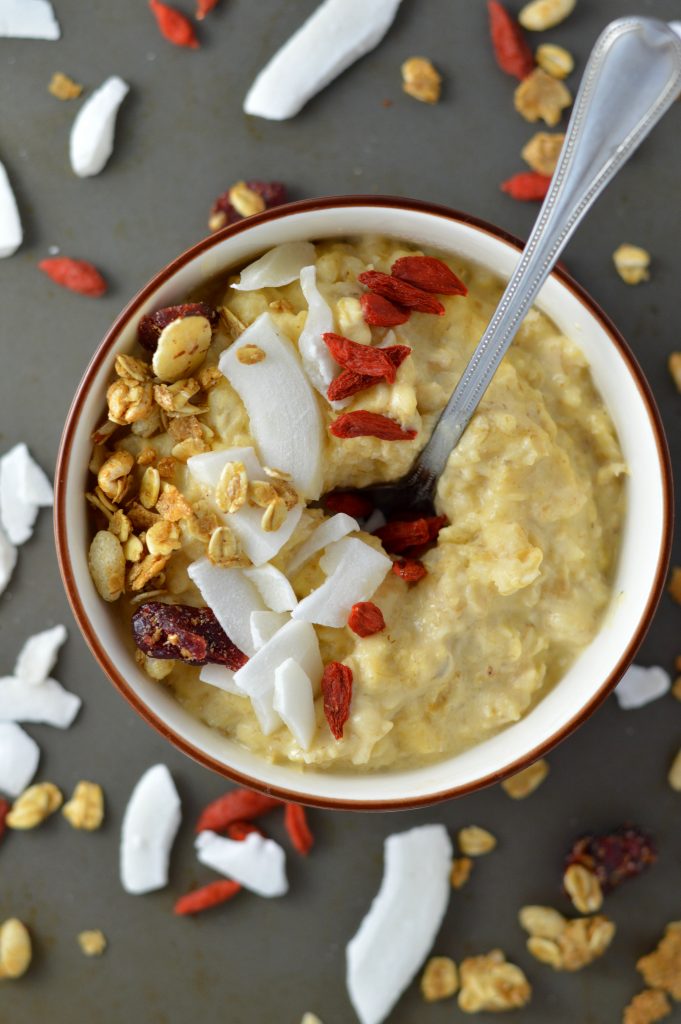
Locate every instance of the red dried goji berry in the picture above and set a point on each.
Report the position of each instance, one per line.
(401, 292)
(237, 805)
(204, 7)
(363, 423)
(337, 693)
(173, 25)
(238, 830)
(398, 535)
(76, 275)
(428, 273)
(511, 49)
(373, 362)
(366, 618)
(208, 896)
(381, 312)
(354, 505)
(180, 631)
(349, 383)
(298, 829)
(435, 524)
(223, 213)
(150, 326)
(409, 569)
(528, 186)
(5, 807)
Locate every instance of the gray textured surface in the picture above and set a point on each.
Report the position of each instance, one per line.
(181, 139)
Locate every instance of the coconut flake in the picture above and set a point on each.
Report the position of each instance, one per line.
(356, 571)
(8, 560)
(640, 686)
(18, 515)
(257, 863)
(294, 701)
(283, 411)
(231, 598)
(36, 488)
(47, 702)
(221, 677)
(676, 25)
(92, 134)
(265, 624)
(38, 656)
(11, 233)
(28, 19)
(398, 932)
(337, 34)
(318, 363)
(279, 266)
(150, 823)
(207, 468)
(19, 756)
(329, 531)
(274, 588)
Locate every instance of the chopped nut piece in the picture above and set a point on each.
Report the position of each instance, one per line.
(224, 549)
(674, 775)
(163, 538)
(182, 347)
(208, 376)
(106, 563)
(64, 87)
(261, 493)
(281, 306)
(166, 467)
(34, 805)
(440, 979)
(141, 517)
(542, 922)
(274, 515)
(231, 322)
(524, 783)
(133, 549)
(181, 428)
(491, 983)
(421, 80)
(541, 152)
(542, 97)
(85, 809)
(674, 585)
(120, 526)
(674, 364)
(555, 60)
(582, 940)
(662, 967)
(173, 398)
(103, 433)
(173, 505)
(184, 450)
(92, 943)
(113, 476)
(232, 488)
(632, 263)
(101, 506)
(150, 487)
(148, 425)
(676, 688)
(583, 888)
(245, 201)
(129, 400)
(461, 871)
(15, 948)
(475, 841)
(142, 572)
(147, 457)
(539, 15)
(249, 354)
(310, 1018)
(647, 1007)
(132, 368)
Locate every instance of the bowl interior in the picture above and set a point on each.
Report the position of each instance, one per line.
(641, 565)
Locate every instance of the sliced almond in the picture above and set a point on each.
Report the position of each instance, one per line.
(181, 348)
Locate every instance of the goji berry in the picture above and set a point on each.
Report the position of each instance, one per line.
(76, 275)
(354, 505)
(381, 312)
(5, 807)
(208, 896)
(337, 693)
(204, 7)
(401, 535)
(237, 805)
(150, 326)
(349, 383)
(366, 618)
(615, 856)
(428, 273)
(222, 212)
(511, 49)
(364, 359)
(528, 186)
(298, 829)
(401, 292)
(411, 570)
(363, 423)
(182, 632)
(173, 25)
(238, 830)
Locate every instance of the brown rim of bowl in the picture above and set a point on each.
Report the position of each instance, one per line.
(152, 719)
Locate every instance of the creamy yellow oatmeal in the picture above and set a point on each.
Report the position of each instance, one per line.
(517, 583)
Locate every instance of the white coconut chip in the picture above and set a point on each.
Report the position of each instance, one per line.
(398, 932)
(284, 416)
(92, 134)
(11, 232)
(36, 488)
(221, 677)
(19, 757)
(356, 571)
(676, 25)
(337, 34)
(265, 624)
(639, 686)
(28, 19)
(231, 598)
(318, 363)
(150, 823)
(274, 588)
(47, 702)
(257, 863)
(18, 515)
(8, 560)
(279, 266)
(294, 701)
(330, 530)
(38, 656)
(207, 468)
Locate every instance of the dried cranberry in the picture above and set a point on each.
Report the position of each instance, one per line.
(614, 856)
(150, 326)
(222, 212)
(189, 634)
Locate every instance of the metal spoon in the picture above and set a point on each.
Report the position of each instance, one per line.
(632, 77)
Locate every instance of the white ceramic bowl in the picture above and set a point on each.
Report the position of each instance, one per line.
(645, 541)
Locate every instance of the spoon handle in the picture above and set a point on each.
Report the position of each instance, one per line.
(632, 77)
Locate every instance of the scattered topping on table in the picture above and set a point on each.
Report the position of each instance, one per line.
(92, 134)
(8, 560)
(354, 571)
(245, 200)
(399, 535)
(28, 19)
(92, 942)
(539, 15)
(362, 423)
(543, 922)
(401, 292)
(257, 863)
(223, 212)
(461, 871)
(32, 807)
(277, 267)
(293, 701)
(238, 805)
(204, 7)
(614, 856)
(542, 151)
(632, 263)
(421, 79)
(440, 979)
(63, 87)
(310, 1018)
(639, 686)
(527, 186)
(491, 983)
(295, 819)
(208, 896)
(428, 273)
(15, 946)
(238, 830)
(366, 618)
(5, 807)
(173, 25)
(674, 364)
(674, 585)
(11, 232)
(583, 888)
(85, 809)
(555, 60)
(328, 532)
(524, 783)
(337, 694)
(542, 97)
(511, 49)
(475, 841)
(337, 34)
(151, 326)
(150, 823)
(24, 489)
(674, 774)
(48, 703)
(647, 1007)
(411, 570)
(565, 945)
(74, 275)
(38, 656)
(400, 927)
(662, 968)
(19, 757)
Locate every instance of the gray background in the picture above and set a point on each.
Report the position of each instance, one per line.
(181, 139)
